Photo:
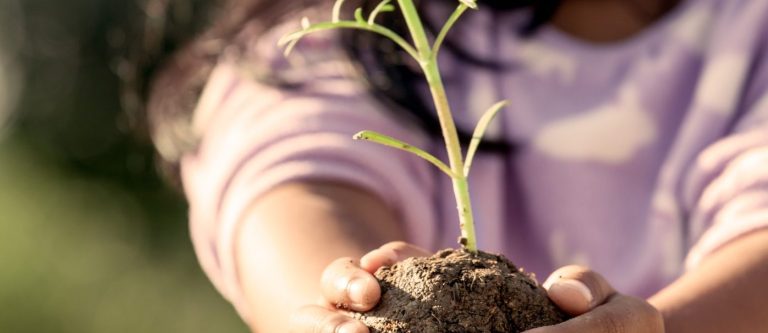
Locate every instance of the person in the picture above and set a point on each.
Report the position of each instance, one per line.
(633, 155)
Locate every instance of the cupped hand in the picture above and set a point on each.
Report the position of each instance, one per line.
(596, 306)
(348, 284)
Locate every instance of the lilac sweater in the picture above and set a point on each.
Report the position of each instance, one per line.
(636, 158)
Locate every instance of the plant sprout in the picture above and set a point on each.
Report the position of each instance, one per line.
(425, 53)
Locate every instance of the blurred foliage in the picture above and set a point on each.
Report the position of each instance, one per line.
(78, 57)
(10, 75)
(75, 257)
(91, 240)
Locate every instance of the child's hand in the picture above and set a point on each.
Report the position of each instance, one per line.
(597, 306)
(350, 285)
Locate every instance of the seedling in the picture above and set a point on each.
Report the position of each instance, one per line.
(425, 52)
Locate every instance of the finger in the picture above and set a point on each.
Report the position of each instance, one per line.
(621, 314)
(389, 254)
(316, 319)
(345, 285)
(577, 290)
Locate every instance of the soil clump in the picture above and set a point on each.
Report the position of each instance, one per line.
(455, 291)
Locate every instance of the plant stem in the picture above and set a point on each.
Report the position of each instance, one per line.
(455, 158)
(416, 28)
(428, 61)
(426, 55)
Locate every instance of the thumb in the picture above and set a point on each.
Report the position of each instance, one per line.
(577, 290)
(389, 254)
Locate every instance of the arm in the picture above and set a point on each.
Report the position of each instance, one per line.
(257, 224)
(296, 230)
(726, 293)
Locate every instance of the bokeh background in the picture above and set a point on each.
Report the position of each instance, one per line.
(91, 239)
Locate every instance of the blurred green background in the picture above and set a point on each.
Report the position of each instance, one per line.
(91, 240)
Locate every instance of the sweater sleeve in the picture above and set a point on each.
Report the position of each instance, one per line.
(727, 188)
(734, 200)
(256, 137)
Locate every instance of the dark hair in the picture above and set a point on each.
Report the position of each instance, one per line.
(178, 82)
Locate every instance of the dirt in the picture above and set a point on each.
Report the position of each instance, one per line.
(455, 291)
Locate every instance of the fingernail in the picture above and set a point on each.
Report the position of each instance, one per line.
(550, 280)
(391, 256)
(349, 327)
(357, 291)
(568, 286)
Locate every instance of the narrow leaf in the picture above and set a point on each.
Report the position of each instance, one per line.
(477, 136)
(381, 7)
(395, 143)
(290, 46)
(336, 16)
(289, 41)
(447, 27)
(359, 16)
(469, 3)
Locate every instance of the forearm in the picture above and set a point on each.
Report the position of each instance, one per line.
(289, 236)
(726, 293)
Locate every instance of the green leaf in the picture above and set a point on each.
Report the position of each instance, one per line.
(359, 16)
(383, 6)
(395, 143)
(469, 3)
(336, 16)
(447, 27)
(289, 41)
(477, 136)
(290, 46)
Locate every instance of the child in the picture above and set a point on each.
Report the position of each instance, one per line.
(635, 144)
